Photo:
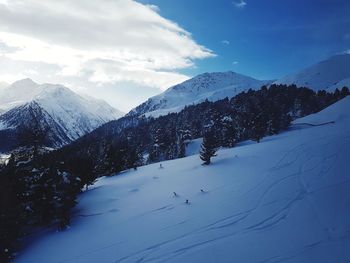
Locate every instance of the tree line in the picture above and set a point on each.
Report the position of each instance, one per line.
(134, 141)
(39, 187)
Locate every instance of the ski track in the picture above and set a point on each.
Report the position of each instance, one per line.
(290, 158)
(297, 180)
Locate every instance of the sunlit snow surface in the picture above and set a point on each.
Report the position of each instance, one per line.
(326, 75)
(286, 199)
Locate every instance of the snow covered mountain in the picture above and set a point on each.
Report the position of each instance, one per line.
(19, 93)
(292, 205)
(211, 86)
(328, 75)
(67, 114)
(3, 85)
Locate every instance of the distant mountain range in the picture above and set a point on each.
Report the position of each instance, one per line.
(70, 116)
(63, 112)
(328, 75)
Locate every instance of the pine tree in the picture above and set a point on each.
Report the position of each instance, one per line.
(259, 127)
(345, 92)
(208, 147)
(228, 132)
(183, 138)
(135, 158)
(11, 218)
(157, 150)
(33, 135)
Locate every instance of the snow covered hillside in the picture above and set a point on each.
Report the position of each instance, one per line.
(211, 86)
(329, 74)
(68, 114)
(285, 199)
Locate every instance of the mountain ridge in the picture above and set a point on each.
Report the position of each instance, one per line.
(65, 113)
(207, 86)
(328, 74)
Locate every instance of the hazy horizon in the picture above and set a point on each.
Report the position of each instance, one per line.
(126, 51)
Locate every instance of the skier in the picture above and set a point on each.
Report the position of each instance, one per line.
(175, 194)
(187, 202)
(160, 166)
(202, 191)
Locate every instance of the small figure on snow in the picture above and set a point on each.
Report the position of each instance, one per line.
(202, 191)
(187, 202)
(160, 166)
(175, 194)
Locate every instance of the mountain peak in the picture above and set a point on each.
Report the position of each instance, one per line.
(25, 83)
(55, 90)
(220, 74)
(212, 86)
(68, 115)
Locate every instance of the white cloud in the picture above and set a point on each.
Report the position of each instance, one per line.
(5, 48)
(240, 4)
(98, 41)
(235, 63)
(225, 42)
(154, 8)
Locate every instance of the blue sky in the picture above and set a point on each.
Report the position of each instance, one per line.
(125, 51)
(268, 38)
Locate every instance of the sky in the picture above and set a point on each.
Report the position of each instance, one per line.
(124, 51)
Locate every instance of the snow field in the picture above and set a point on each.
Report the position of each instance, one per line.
(285, 199)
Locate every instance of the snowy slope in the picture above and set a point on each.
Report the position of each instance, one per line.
(3, 85)
(341, 84)
(285, 199)
(71, 113)
(19, 93)
(329, 74)
(337, 113)
(193, 147)
(211, 86)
